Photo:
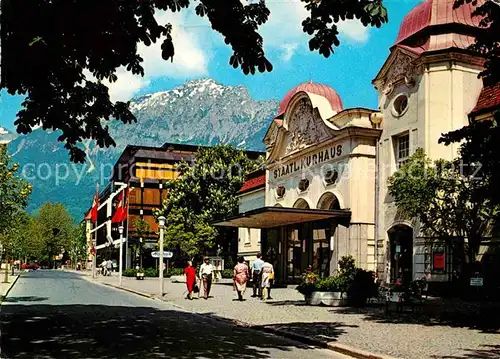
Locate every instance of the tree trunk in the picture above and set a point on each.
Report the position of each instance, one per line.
(6, 278)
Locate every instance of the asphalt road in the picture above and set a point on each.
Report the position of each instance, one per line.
(54, 314)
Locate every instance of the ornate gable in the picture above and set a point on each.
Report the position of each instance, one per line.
(398, 68)
(305, 127)
(302, 127)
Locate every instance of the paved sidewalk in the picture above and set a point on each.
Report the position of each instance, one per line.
(5, 287)
(406, 335)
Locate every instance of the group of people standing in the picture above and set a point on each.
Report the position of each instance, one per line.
(262, 278)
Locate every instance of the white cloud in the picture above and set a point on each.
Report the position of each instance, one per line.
(283, 30)
(288, 51)
(190, 59)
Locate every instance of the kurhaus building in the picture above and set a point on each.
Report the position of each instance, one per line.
(323, 193)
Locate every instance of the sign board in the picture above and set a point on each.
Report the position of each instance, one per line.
(476, 282)
(165, 254)
(439, 261)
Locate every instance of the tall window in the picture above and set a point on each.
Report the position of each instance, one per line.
(402, 149)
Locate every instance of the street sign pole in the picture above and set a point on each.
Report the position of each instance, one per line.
(161, 221)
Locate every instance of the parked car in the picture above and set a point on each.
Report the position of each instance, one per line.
(32, 266)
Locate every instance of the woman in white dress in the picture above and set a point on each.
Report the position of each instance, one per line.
(267, 276)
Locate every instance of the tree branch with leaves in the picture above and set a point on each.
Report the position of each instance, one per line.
(64, 88)
(446, 198)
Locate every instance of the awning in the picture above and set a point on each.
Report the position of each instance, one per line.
(268, 217)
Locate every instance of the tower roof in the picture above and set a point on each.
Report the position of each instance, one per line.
(318, 89)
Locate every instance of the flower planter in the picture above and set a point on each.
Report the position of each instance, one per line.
(330, 299)
(394, 297)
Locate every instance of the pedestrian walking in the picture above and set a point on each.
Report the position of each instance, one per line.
(206, 271)
(267, 277)
(190, 274)
(104, 267)
(109, 267)
(240, 277)
(257, 276)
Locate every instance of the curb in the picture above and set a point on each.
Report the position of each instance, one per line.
(8, 290)
(337, 347)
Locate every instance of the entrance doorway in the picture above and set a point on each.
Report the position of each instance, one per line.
(401, 251)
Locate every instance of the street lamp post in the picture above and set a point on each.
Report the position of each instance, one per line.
(161, 221)
(120, 264)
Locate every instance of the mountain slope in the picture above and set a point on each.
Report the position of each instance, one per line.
(200, 112)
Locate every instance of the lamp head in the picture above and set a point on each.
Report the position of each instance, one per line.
(120, 230)
(161, 221)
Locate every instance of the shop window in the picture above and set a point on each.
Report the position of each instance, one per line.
(400, 105)
(303, 184)
(248, 237)
(331, 176)
(402, 149)
(280, 191)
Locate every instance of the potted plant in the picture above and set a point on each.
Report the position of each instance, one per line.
(139, 274)
(328, 291)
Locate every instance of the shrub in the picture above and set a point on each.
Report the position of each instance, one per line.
(150, 272)
(306, 288)
(227, 273)
(347, 267)
(362, 287)
(129, 272)
(173, 272)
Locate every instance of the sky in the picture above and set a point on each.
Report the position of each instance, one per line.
(201, 52)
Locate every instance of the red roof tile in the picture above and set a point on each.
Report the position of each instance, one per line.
(437, 12)
(318, 89)
(489, 99)
(254, 183)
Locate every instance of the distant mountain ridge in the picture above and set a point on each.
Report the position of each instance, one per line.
(200, 112)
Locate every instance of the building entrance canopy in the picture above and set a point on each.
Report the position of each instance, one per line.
(269, 217)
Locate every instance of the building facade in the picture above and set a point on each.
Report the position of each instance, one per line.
(330, 166)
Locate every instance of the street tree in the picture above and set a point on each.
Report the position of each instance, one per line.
(56, 228)
(72, 39)
(23, 240)
(447, 198)
(78, 247)
(479, 140)
(205, 190)
(487, 41)
(14, 191)
(141, 230)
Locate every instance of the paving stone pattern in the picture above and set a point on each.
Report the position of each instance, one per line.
(410, 335)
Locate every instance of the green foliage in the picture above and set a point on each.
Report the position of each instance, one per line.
(129, 272)
(61, 94)
(151, 272)
(175, 272)
(446, 197)
(203, 192)
(14, 193)
(227, 273)
(56, 228)
(361, 287)
(141, 229)
(22, 239)
(77, 246)
(487, 41)
(347, 266)
(357, 283)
